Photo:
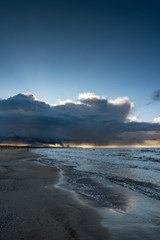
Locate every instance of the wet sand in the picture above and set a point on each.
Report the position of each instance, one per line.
(32, 208)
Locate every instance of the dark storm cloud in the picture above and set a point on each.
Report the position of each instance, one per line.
(22, 102)
(91, 120)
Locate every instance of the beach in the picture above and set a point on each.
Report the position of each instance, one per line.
(31, 207)
(56, 194)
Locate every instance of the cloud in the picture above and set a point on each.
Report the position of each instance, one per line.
(156, 95)
(22, 103)
(90, 120)
(88, 95)
(134, 119)
(156, 120)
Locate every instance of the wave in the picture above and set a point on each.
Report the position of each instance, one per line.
(147, 188)
(117, 166)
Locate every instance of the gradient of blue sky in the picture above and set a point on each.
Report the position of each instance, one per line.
(57, 49)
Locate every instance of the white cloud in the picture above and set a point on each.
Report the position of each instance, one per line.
(156, 120)
(119, 101)
(87, 95)
(134, 119)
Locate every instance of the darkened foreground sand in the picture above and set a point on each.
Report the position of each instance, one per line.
(31, 208)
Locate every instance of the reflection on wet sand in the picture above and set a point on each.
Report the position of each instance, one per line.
(98, 191)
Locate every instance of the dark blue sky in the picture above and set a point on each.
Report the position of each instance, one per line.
(57, 49)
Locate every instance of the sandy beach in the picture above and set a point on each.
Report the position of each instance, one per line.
(31, 208)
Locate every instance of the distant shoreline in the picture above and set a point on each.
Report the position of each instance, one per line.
(34, 147)
(21, 147)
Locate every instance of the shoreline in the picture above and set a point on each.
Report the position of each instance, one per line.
(36, 202)
(29, 210)
(129, 215)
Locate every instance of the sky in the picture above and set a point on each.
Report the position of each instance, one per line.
(56, 50)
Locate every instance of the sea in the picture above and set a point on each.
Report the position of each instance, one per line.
(96, 173)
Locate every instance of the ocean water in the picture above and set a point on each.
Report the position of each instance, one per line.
(96, 173)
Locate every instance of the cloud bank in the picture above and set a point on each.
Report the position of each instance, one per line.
(91, 120)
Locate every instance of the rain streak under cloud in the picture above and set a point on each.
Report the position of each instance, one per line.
(91, 120)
